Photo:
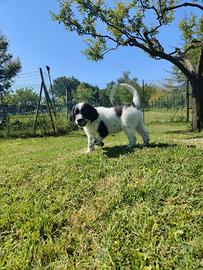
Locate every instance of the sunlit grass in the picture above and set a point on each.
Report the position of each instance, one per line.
(111, 209)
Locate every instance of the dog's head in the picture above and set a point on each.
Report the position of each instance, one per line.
(82, 113)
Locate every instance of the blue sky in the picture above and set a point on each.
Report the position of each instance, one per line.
(38, 41)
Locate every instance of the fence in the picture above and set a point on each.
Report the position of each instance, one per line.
(169, 95)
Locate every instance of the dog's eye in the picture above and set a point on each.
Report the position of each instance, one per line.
(76, 111)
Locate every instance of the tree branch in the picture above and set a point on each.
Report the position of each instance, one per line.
(193, 45)
(186, 4)
(111, 49)
(161, 14)
(162, 55)
(103, 18)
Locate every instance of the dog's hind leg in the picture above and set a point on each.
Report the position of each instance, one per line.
(130, 132)
(144, 134)
(98, 141)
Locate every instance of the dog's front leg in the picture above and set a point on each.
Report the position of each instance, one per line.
(90, 146)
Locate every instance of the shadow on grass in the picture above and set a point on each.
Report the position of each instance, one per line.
(116, 151)
(31, 135)
(189, 132)
(181, 131)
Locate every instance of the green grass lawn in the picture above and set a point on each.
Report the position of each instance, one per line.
(63, 209)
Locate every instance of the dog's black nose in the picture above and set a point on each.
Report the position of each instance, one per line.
(81, 122)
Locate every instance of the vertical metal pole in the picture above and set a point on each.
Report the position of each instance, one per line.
(187, 101)
(143, 108)
(51, 87)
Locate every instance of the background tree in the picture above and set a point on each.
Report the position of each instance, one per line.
(125, 96)
(109, 25)
(9, 67)
(104, 97)
(63, 84)
(86, 93)
(26, 99)
(120, 95)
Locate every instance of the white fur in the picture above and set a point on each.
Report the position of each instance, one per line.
(131, 121)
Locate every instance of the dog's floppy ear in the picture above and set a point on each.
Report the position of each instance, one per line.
(89, 112)
(72, 114)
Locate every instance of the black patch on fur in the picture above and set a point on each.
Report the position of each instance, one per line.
(89, 112)
(132, 104)
(102, 129)
(118, 110)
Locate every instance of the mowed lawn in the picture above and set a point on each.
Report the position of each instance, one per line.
(63, 209)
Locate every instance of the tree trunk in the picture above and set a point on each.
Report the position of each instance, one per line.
(197, 104)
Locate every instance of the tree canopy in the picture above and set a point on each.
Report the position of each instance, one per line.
(63, 85)
(25, 97)
(86, 93)
(107, 26)
(9, 67)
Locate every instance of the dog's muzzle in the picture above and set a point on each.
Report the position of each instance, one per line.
(81, 122)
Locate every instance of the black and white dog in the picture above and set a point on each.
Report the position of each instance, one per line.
(98, 122)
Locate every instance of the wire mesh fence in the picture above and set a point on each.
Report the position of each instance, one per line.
(170, 96)
(29, 80)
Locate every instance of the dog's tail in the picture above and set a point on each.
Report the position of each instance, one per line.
(136, 99)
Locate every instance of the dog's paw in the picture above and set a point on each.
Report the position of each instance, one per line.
(88, 151)
(98, 142)
(130, 146)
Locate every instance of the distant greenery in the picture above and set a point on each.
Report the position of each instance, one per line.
(112, 209)
(111, 94)
(24, 100)
(63, 86)
(69, 90)
(23, 126)
(87, 93)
